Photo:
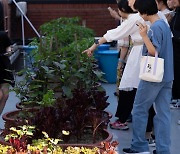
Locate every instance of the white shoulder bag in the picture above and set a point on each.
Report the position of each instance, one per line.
(151, 68)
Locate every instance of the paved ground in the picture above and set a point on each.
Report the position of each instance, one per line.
(123, 137)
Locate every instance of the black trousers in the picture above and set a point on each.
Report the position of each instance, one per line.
(176, 82)
(150, 124)
(125, 105)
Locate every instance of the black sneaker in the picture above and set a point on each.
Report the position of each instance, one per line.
(129, 151)
(115, 94)
(154, 152)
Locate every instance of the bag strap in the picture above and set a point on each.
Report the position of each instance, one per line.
(155, 63)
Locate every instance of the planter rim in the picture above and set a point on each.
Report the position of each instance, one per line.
(5, 115)
(19, 107)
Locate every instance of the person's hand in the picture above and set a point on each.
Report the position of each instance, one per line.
(120, 65)
(142, 29)
(131, 4)
(89, 52)
(114, 14)
(8, 51)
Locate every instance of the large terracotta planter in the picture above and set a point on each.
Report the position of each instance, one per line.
(11, 118)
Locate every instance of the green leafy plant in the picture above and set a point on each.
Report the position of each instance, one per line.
(4, 148)
(48, 99)
(19, 137)
(47, 143)
(106, 148)
(58, 58)
(18, 140)
(60, 70)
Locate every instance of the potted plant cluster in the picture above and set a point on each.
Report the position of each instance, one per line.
(18, 138)
(61, 86)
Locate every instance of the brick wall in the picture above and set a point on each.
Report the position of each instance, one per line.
(95, 16)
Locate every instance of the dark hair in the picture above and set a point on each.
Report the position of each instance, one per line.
(124, 7)
(148, 7)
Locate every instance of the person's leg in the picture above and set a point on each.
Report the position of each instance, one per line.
(150, 119)
(4, 94)
(162, 120)
(125, 104)
(145, 96)
(176, 82)
(150, 126)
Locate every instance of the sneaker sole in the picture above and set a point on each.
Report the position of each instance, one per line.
(126, 128)
(152, 145)
(112, 124)
(174, 107)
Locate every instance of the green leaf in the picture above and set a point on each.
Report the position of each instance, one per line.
(67, 91)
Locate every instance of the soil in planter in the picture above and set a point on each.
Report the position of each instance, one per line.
(23, 114)
(87, 137)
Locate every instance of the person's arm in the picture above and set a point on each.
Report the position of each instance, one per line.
(7, 44)
(127, 27)
(143, 32)
(123, 53)
(124, 30)
(90, 50)
(5, 40)
(123, 44)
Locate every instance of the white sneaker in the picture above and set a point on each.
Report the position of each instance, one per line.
(175, 106)
(151, 142)
(178, 122)
(174, 101)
